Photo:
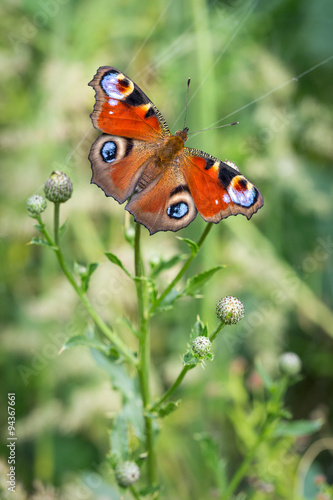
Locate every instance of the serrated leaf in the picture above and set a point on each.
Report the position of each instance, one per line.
(120, 379)
(297, 428)
(192, 244)
(168, 301)
(80, 340)
(211, 453)
(168, 408)
(133, 413)
(164, 265)
(194, 284)
(119, 438)
(115, 260)
(190, 359)
(40, 241)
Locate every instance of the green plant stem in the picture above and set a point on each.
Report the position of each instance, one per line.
(114, 339)
(144, 353)
(182, 374)
(216, 331)
(56, 217)
(173, 387)
(183, 269)
(242, 470)
(135, 493)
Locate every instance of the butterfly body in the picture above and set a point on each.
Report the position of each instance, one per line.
(137, 157)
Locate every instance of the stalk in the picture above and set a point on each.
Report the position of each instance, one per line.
(144, 354)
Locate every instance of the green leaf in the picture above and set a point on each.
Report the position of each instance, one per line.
(149, 490)
(168, 301)
(168, 408)
(80, 340)
(41, 242)
(298, 428)
(164, 265)
(192, 244)
(119, 439)
(120, 379)
(133, 413)
(199, 329)
(194, 284)
(115, 260)
(190, 359)
(211, 453)
(85, 273)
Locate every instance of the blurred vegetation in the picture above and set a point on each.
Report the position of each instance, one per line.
(264, 64)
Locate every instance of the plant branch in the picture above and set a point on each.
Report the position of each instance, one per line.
(182, 374)
(144, 352)
(242, 470)
(105, 329)
(172, 388)
(183, 269)
(216, 331)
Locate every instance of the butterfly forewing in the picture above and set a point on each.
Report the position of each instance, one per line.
(168, 183)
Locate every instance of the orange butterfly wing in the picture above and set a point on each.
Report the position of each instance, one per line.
(136, 155)
(122, 108)
(217, 188)
(132, 127)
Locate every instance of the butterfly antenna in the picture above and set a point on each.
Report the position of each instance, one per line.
(213, 128)
(186, 103)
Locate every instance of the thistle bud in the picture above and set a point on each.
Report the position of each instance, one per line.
(290, 363)
(36, 204)
(201, 345)
(58, 187)
(230, 310)
(127, 473)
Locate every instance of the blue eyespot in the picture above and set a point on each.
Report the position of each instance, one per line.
(177, 210)
(109, 151)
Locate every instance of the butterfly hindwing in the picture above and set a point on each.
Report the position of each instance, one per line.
(165, 204)
(123, 109)
(218, 189)
(137, 157)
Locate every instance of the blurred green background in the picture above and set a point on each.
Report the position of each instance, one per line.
(268, 65)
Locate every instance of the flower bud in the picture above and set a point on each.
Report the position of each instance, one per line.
(127, 473)
(230, 310)
(201, 345)
(290, 363)
(58, 187)
(36, 204)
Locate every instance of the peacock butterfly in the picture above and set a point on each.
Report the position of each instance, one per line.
(137, 157)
